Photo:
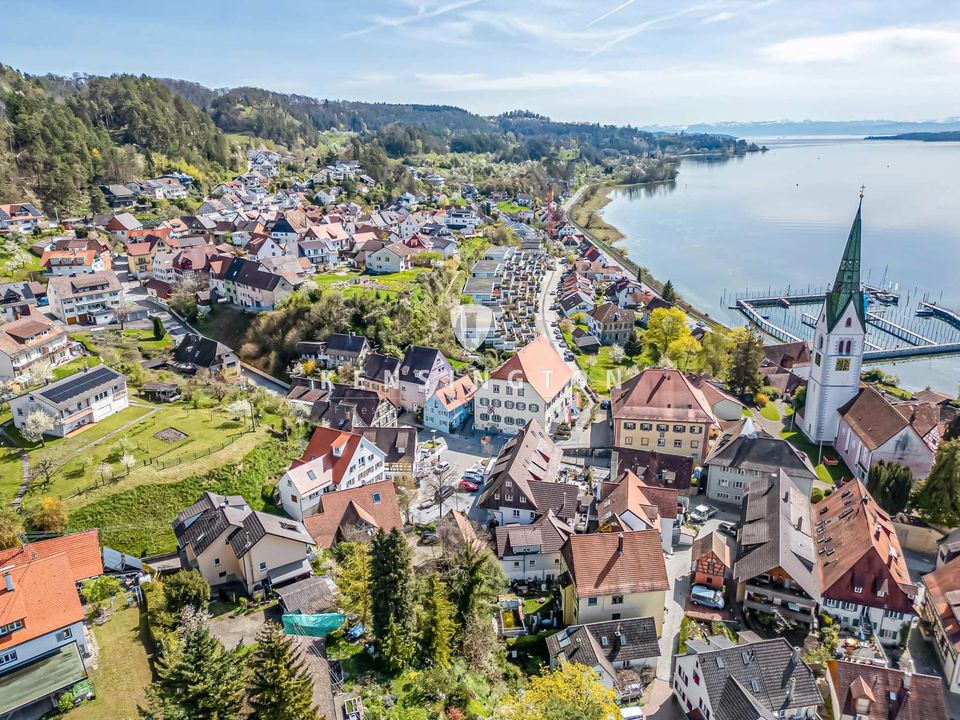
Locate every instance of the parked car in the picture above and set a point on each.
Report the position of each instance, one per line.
(468, 486)
(632, 713)
(708, 597)
(472, 476)
(444, 492)
(727, 528)
(429, 538)
(702, 513)
(441, 466)
(568, 356)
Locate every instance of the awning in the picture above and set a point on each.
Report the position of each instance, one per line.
(28, 683)
(288, 572)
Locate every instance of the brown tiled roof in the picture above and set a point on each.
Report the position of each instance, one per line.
(616, 563)
(82, 550)
(875, 420)
(656, 469)
(660, 394)
(860, 548)
(629, 495)
(943, 597)
(611, 313)
(887, 693)
(712, 542)
(539, 365)
(344, 508)
(546, 531)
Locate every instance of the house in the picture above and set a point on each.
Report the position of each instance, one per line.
(381, 373)
(140, 254)
(341, 406)
(248, 285)
(940, 618)
(347, 514)
(523, 199)
(333, 460)
(523, 481)
(122, 226)
(346, 349)
(873, 429)
(865, 583)
(422, 371)
(30, 340)
(614, 576)
(22, 217)
(42, 635)
(746, 452)
(118, 196)
(399, 446)
(18, 299)
(630, 505)
(72, 262)
(391, 258)
(710, 561)
(867, 692)
(87, 299)
(451, 405)
(948, 548)
(532, 552)
(654, 469)
(753, 679)
(236, 548)
(533, 385)
(776, 567)
(584, 341)
(660, 409)
(791, 357)
(311, 596)
(725, 407)
(609, 648)
(611, 324)
(196, 351)
(576, 303)
(77, 400)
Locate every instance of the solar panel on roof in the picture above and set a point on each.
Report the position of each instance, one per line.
(78, 384)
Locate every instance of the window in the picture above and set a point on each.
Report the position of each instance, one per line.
(629, 440)
(65, 634)
(263, 566)
(858, 588)
(646, 426)
(533, 563)
(893, 614)
(661, 442)
(222, 573)
(662, 427)
(644, 441)
(8, 657)
(591, 602)
(678, 443)
(11, 627)
(496, 389)
(556, 561)
(516, 564)
(816, 357)
(679, 428)
(516, 513)
(694, 444)
(293, 498)
(615, 616)
(847, 323)
(629, 426)
(616, 600)
(376, 498)
(534, 407)
(216, 561)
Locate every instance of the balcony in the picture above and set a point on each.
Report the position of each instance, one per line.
(779, 595)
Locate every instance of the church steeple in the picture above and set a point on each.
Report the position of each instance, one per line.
(846, 286)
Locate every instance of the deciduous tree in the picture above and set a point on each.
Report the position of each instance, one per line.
(11, 528)
(570, 691)
(50, 515)
(36, 424)
(666, 325)
(98, 591)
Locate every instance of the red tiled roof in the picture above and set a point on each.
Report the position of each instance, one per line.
(44, 597)
(943, 598)
(344, 508)
(539, 365)
(660, 394)
(321, 446)
(81, 548)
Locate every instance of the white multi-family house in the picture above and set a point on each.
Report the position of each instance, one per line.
(30, 340)
(532, 552)
(86, 298)
(392, 258)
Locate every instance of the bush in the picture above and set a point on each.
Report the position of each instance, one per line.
(816, 495)
(65, 703)
(761, 399)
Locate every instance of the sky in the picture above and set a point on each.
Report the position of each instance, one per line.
(638, 62)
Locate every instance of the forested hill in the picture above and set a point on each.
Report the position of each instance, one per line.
(60, 137)
(948, 136)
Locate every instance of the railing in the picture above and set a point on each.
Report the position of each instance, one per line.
(782, 594)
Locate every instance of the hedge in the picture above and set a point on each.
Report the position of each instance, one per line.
(138, 521)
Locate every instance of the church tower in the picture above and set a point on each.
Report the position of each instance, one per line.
(837, 346)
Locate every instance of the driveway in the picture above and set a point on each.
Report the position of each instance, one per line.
(242, 629)
(661, 705)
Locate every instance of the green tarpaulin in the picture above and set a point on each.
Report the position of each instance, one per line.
(313, 625)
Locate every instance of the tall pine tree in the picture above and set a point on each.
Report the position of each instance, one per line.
(196, 676)
(938, 499)
(280, 687)
(890, 484)
(437, 626)
(391, 582)
(744, 375)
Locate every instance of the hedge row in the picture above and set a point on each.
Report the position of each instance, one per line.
(138, 521)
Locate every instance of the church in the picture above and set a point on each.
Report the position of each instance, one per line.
(862, 425)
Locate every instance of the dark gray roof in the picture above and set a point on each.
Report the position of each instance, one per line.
(208, 526)
(344, 344)
(776, 532)
(251, 274)
(738, 703)
(748, 446)
(338, 404)
(80, 384)
(257, 525)
(655, 469)
(201, 351)
(604, 643)
(417, 364)
(546, 532)
(399, 444)
(765, 670)
(309, 596)
(380, 368)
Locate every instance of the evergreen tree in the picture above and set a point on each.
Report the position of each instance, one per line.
(953, 429)
(938, 499)
(397, 646)
(196, 677)
(158, 329)
(437, 626)
(280, 687)
(391, 582)
(890, 484)
(744, 375)
(474, 578)
(186, 588)
(632, 347)
(669, 293)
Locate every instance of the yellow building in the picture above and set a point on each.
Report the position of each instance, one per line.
(614, 576)
(660, 410)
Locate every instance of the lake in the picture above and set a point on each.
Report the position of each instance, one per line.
(780, 219)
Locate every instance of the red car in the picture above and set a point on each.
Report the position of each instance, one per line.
(468, 486)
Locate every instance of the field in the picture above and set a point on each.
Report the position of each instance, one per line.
(123, 669)
(584, 214)
(508, 206)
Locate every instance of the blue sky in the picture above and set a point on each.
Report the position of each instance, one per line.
(623, 61)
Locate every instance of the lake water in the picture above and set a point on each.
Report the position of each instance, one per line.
(780, 219)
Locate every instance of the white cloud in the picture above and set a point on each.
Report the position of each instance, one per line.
(423, 12)
(718, 17)
(607, 14)
(883, 45)
(635, 30)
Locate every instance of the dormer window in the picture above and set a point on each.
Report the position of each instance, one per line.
(858, 588)
(863, 704)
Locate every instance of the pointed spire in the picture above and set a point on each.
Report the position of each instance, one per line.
(846, 286)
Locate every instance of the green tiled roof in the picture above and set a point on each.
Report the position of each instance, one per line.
(846, 287)
(36, 680)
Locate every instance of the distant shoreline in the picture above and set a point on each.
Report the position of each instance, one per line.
(947, 136)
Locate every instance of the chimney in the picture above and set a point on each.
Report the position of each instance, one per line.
(619, 543)
(800, 523)
(877, 530)
(8, 578)
(791, 686)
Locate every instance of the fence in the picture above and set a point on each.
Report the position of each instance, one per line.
(156, 463)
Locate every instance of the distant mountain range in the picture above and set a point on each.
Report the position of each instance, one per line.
(777, 128)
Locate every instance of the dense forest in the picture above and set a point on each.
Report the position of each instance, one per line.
(62, 137)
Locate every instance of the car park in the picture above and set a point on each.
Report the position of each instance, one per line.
(708, 597)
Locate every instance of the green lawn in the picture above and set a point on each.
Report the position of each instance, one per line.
(827, 474)
(747, 412)
(325, 280)
(602, 373)
(770, 412)
(508, 206)
(123, 671)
